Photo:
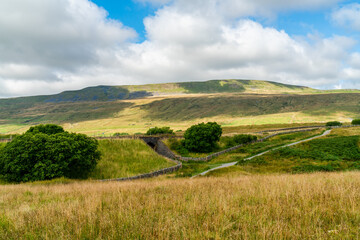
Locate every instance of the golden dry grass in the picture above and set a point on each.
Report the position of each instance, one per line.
(346, 131)
(316, 206)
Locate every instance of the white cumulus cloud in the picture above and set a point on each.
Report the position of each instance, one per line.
(231, 8)
(40, 39)
(348, 16)
(50, 46)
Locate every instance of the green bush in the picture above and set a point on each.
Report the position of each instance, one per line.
(38, 156)
(47, 129)
(333, 123)
(178, 146)
(308, 168)
(157, 131)
(120, 134)
(202, 137)
(239, 139)
(355, 122)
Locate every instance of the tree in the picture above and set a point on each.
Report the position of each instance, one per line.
(38, 156)
(355, 122)
(202, 137)
(157, 130)
(333, 123)
(47, 129)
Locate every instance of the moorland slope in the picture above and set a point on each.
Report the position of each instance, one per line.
(132, 109)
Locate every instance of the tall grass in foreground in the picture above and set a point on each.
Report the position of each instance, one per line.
(309, 206)
(124, 158)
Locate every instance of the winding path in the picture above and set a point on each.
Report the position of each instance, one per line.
(225, 165)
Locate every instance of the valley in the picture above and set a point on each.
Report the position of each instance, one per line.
(270, 188)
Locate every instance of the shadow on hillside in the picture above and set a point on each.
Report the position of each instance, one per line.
(251, 105)
(63, 112)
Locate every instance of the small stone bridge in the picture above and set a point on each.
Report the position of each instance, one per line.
(159, 147)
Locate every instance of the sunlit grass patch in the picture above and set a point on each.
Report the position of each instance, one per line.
(124, 158)
(193, 168)
(326, 154)
(8, 128)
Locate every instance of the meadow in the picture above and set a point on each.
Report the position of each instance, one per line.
(338, 151)
(193, 168)
(302, 206)
(125, 158)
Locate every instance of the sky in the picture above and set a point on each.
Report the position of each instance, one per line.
(49, 46)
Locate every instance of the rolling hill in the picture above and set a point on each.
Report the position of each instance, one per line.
(131, 109)
(111, 93)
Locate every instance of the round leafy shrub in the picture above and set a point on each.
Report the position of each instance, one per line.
(39, 156)
(239, 139)
(333, 123)
(202, 137)
(47, 129)
(157, 130)
(355, 122)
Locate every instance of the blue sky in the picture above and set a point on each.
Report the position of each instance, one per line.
(128, 12)
(51, 46)
(296, 23)
(132, 13)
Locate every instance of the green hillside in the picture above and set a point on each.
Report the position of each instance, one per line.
(32, 113)
(126, 158)
(252, 105)
(133, 109)
(98, 93)
(184, 108)
(111, 93)
(334, 152)
(221, 86)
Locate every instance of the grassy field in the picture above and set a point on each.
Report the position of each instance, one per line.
(125, 158)
(338, 151)
(193, 168)
(310, 206)
(12, 128)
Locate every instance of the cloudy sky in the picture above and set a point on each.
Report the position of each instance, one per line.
(47, 46)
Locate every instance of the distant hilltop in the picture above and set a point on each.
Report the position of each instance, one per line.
(111, 93)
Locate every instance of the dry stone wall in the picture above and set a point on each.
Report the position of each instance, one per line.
(287, 129)
(158, 146)
(149, 175)
(162, 149)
